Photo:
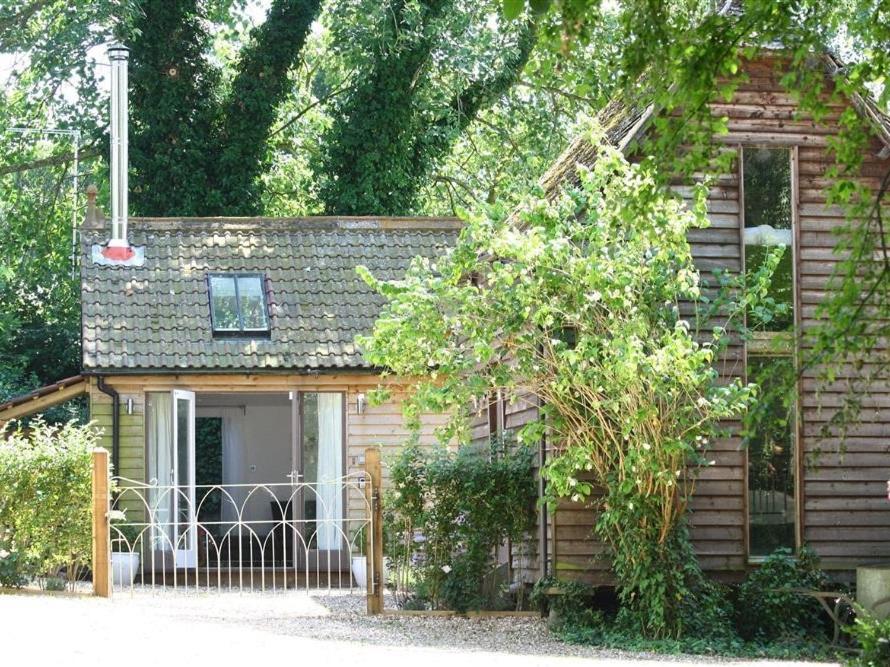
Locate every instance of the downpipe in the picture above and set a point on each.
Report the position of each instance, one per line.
(115, 421)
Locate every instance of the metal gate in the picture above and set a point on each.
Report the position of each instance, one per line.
(240, 537)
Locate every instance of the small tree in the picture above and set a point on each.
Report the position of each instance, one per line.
(45, 498)
(579, 302)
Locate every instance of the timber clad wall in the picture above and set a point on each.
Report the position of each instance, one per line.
(844, 512)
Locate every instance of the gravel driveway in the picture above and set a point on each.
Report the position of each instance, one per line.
(265, 629)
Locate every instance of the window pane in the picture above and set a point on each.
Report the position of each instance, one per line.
(776, 312)
(771, 460)
(768, 188)
(767, 193)
(225, 305)
(253, 302)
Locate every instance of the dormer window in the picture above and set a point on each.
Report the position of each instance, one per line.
(238, 305)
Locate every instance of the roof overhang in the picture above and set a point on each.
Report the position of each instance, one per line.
(43, 398)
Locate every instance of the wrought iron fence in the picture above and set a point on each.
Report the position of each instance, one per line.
(271, 537)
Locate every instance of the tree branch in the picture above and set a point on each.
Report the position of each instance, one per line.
(259, 87)
(52, 161)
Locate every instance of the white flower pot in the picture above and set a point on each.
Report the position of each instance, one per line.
(124, 566)
(360, 571)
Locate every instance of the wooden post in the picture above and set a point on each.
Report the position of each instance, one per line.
(374, 533)
(101, 533)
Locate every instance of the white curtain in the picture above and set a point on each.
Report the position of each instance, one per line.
(160, 468)
(330, 468)
(234, 459)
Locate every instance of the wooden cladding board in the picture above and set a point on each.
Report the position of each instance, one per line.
(377, 426)
(845, 512)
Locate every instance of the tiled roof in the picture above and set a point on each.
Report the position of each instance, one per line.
(157, 316)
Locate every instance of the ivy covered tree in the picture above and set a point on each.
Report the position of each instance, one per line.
(398, 117)
(199, 147)
(578, 302)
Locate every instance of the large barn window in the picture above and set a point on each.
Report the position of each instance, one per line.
(769, 247)
(238, 304)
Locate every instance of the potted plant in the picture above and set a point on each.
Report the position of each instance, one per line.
(359, 560)
(124, 553)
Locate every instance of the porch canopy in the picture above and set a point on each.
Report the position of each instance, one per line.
(43, 398)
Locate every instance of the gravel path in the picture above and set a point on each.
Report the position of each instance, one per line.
(155, 628)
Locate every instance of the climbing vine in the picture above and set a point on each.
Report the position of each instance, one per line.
(198, 145)
(579, 301)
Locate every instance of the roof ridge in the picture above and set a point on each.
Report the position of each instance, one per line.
(321, 222)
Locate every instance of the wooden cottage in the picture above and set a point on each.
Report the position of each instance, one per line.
(219, 362)
(794, 485)
(241, 331)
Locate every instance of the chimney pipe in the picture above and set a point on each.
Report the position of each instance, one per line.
(118, 247)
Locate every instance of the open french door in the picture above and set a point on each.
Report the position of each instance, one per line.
(320, 461)
(185, 529)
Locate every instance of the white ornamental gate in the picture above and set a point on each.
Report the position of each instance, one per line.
(239, 537)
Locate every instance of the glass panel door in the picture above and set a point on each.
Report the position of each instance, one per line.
(321, 453)
(185, 526)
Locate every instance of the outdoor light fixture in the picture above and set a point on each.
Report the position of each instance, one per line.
(129, 406)
(360, 404)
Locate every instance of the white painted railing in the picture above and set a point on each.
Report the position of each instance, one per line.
(241, 537)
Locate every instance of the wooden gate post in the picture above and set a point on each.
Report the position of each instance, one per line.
(374, 534)
(101, 531)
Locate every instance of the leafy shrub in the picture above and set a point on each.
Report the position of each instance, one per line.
(53, 583)
(10, 567)
(767, 608)
(446, 513)
(574, 300)
(45, 497)
(873, 637)
(570, 603)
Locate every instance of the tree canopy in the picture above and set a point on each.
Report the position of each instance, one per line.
(292, 107)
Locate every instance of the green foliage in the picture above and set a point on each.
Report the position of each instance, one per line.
(568, 602)
(761, 618)
(40, 319)
(403, 110)
(126, 537)
(208, 465)
(199, 148)
(873, 637)
(679, 56)
(577, 301)
(445, 515)
(11, 566)
(769, 608)
(45, 498)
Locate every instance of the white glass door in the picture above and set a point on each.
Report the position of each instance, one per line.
(185, 533)
(321, 468)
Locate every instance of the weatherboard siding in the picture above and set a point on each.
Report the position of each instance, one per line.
(843, 508)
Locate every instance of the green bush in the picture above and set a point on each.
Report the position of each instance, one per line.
(767, 608)
(10, 567)
(446, 514)
(45, 498)
(570, 603)
(873, 637)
